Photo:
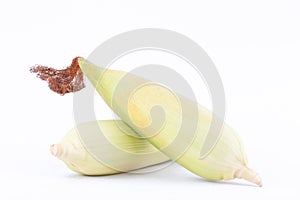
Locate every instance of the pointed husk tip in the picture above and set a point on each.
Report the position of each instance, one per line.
(249, 175)
(56, 150)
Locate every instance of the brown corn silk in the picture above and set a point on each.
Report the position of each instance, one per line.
(61, 81)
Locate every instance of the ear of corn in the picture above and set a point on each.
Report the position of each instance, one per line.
(226, 160)
(80, 159)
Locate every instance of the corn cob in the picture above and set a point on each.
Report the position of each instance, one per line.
(227, 159)
(73, 152)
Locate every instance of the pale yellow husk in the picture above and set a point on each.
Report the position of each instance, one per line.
(72, 149)
(226, 161)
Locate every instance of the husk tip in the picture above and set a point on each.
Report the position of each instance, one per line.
(54, 150)
(249, 175)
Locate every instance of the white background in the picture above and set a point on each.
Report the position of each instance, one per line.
(254, 44)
